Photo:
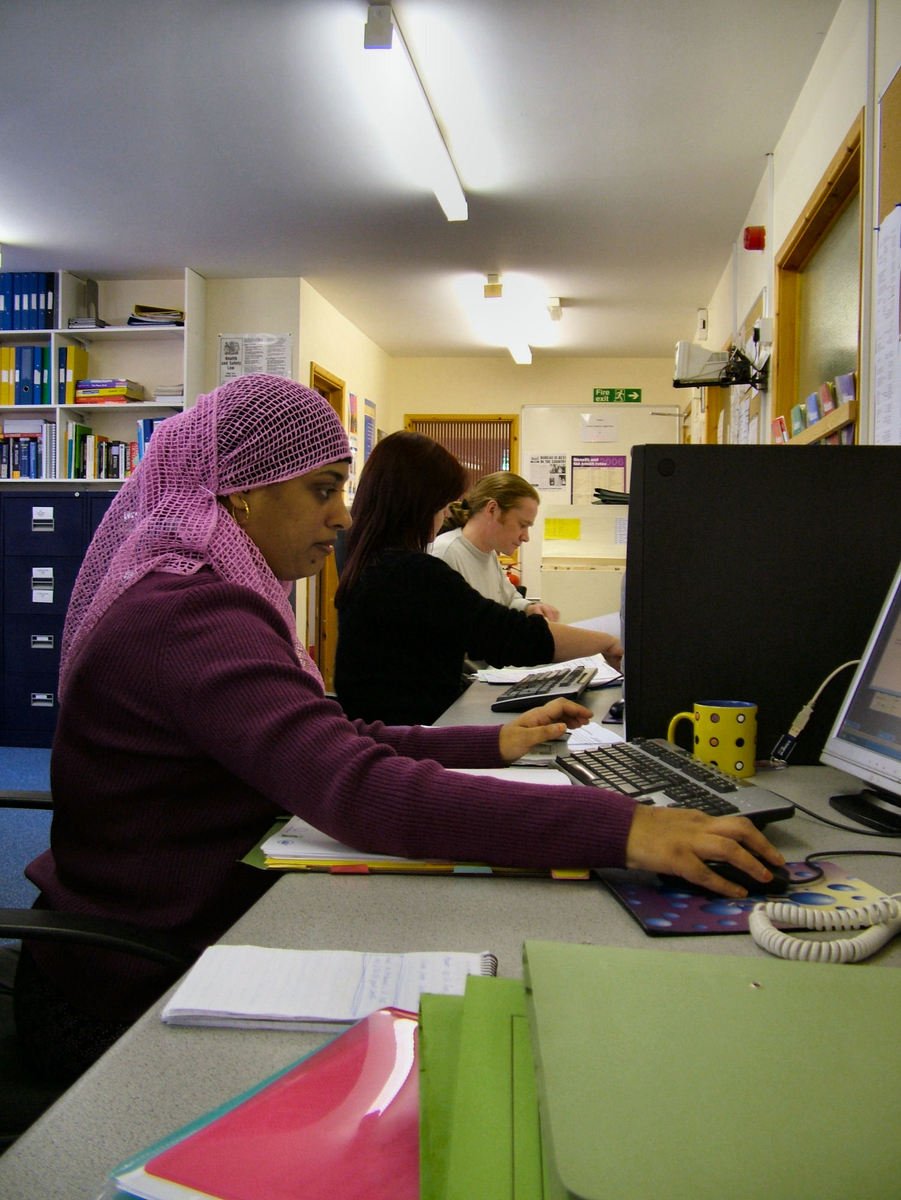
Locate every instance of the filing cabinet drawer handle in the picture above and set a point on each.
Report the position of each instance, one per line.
(42, 699)
(42, 520)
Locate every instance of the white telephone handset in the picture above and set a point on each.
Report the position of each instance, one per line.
(881, 920)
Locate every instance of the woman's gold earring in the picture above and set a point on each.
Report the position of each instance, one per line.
(246, 508)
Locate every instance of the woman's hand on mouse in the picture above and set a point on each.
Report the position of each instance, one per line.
(538, 725)
(679, 841)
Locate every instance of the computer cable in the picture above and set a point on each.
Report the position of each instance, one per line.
(786, 743)
(881, 921)
(876, 833)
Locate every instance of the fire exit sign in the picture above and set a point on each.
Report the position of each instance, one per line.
(617, 395)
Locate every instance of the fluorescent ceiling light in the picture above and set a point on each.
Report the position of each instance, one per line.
(403, 99)
(511, 312)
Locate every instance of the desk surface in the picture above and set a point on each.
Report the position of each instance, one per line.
(157, 1078)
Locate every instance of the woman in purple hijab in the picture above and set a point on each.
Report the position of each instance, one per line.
(191, 717)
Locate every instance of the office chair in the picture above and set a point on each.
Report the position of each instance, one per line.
(23, 1094)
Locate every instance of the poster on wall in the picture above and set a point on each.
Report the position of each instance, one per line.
(368, 428)
(250, 353)
(547, 472)
(592, 471)
(887, 341)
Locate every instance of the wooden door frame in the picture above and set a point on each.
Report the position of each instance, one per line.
(840, 183)
(322, 618)
(410, 420)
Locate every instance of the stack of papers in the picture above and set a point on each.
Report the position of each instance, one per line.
(296, 845)
(606, 675)
(258, 987)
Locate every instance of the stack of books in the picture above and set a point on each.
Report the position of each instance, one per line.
(169, 393)
(87, 323)
(150, 314)
(107, 391)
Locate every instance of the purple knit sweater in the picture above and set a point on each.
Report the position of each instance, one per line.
(188, 727)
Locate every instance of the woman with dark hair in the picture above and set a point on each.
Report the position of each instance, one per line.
(406, 620)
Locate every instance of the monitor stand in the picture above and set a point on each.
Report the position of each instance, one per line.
(871, 807)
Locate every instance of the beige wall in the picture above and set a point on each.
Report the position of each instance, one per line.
(835, 92)
(332, 342)
(319, 334)
(497, 384)
(247, 306)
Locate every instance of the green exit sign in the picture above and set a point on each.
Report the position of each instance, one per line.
(617, 395)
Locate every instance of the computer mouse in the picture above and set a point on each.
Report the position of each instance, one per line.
(778, 886)
(614, 714)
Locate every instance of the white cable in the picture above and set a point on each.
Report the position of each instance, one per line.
(786, 743)
(881, 919)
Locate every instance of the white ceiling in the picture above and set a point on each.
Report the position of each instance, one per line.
(609, 148)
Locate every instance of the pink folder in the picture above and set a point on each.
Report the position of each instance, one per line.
(343, 1124)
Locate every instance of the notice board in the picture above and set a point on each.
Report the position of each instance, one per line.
(566, 451)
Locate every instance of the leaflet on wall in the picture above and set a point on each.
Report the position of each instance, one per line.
(887, 341)
(547, 472)
(598, 427)
(592, 471)
(249, 353)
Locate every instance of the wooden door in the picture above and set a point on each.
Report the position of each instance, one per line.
(323, 618)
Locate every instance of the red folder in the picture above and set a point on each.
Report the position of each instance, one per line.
(341, 1125)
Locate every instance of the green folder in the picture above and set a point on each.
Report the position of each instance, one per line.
(479, 1132)
(703, 1076)
(439, 1043)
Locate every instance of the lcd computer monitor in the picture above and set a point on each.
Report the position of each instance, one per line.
(752, 573)
(865, 740)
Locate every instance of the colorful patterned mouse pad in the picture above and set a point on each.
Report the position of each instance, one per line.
(666, 910)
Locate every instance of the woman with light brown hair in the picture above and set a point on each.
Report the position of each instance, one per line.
(493, 519)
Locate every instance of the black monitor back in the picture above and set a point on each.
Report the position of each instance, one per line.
(752, 572)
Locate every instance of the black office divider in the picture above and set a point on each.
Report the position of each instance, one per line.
(752, 572)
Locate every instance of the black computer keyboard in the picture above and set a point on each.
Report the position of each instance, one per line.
(541, 686)
(655, 772)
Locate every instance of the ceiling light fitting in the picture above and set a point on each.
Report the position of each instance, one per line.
(382, 32)
(505, 321)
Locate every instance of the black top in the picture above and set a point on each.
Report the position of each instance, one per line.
(405, 629)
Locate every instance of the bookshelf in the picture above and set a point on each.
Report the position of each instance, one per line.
(47, 520)
(154, 356)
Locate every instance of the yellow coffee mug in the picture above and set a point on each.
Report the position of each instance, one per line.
(725, 734)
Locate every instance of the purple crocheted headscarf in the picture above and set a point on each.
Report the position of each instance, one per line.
(252, 431)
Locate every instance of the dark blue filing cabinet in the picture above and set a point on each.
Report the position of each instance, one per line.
(44, 537)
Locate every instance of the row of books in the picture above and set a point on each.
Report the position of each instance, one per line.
(25, 379)
(824, 400)
(27, 300)
(28, 449)
(25, 375)
(91, 455)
